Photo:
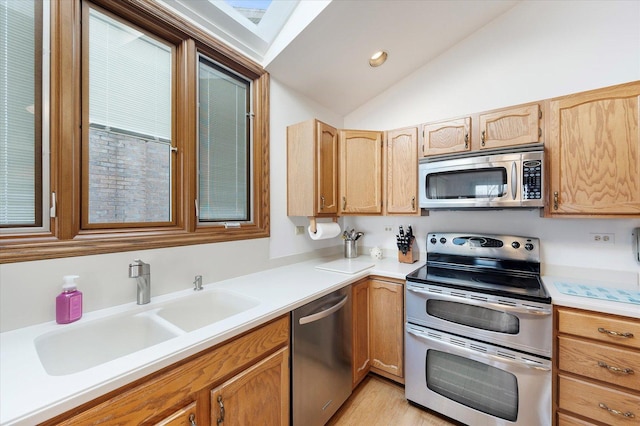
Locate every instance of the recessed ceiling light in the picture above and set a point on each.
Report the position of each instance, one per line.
(378, 58)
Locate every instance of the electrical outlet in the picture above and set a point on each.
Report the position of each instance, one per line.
(299, 230)
(388, 228)
(602, 238)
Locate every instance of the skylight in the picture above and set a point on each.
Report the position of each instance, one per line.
(249, 25)
(253, 10)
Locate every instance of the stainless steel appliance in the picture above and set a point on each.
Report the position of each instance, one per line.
(479, 331)
(321, 358)
(502, 179)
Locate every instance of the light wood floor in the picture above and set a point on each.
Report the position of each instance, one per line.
(380, 402)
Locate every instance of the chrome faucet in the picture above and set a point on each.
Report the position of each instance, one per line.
(197, 284)
(142, 273)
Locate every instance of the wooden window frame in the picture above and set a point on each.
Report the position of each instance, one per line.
(67, 238)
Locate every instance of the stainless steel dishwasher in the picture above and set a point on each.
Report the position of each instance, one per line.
(321, 360)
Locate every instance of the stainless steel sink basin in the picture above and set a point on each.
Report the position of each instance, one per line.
(80, 347)
(204, 308)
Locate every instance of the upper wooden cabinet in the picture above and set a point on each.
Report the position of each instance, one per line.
(511, 126)
(594, 150)
(446, 137)
(312, 169)
(360, 172)
(401, 172)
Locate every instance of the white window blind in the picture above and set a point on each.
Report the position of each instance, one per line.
(130, 78)
(223, 135)
(18, 145)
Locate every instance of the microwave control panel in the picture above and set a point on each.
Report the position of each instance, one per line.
(532, 180)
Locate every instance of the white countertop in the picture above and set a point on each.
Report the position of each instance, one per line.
(28, 395)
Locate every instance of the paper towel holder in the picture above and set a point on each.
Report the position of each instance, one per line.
(314, 224)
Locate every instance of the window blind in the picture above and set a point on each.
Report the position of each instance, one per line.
(223, 144)
(18, 145)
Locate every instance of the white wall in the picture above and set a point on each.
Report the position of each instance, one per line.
(537, 50)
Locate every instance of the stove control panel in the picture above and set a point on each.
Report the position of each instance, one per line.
(497, 246)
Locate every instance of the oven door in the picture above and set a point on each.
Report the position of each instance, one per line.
(514, 323)
(475, 383)
(484, 181)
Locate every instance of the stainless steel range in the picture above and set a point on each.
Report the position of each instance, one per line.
(479, 331)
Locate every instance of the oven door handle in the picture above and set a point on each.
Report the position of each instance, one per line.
(465, 351)
(484, 304)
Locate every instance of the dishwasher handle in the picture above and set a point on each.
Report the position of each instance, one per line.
(324, 313)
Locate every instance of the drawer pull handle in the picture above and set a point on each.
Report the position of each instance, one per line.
(192, 419)
(615, 369)
(628, 414)
(615, 333)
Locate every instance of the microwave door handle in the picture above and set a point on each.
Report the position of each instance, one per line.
(514, 180)
(465, 351)
(505, 308)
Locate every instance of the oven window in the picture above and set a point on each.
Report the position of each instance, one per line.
(474, 316)
(468, 184)
(480, 386)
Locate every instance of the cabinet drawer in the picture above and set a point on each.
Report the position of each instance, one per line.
(591, 400)
(565, 420)
(603, 362)
(605, 328)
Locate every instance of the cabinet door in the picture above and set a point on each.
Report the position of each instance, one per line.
(360, 315)
(386, 326)
(312, 167)
(185, 416)
(327, 169)
(360, 172)
(257, 396)
(513, 126)
(402, 171)
(446, 137)
(594, 146)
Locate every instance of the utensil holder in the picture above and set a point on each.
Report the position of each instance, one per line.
(350, 249)
(411, 256)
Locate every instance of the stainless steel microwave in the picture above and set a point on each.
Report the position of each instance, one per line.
(488, 180)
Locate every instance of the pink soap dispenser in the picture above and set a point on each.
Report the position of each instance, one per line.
(69, 302)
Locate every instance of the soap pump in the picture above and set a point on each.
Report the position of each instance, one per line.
(69, 302)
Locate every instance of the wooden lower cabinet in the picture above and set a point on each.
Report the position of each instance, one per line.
(378, 329)
(386, 325)
(250, 372)
(257, 396)
(596, 367)
(361, 360)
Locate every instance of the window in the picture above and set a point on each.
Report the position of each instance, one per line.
(136, 163)
(21, 137)
(223, 136)
(128, 140)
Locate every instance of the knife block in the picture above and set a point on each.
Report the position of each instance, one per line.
(412, 256)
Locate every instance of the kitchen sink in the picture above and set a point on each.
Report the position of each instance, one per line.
(72, 350)
(204, 308)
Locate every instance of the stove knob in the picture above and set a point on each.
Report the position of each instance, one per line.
(433, 240)
(515, 245)
(528, 246)
(443, 240)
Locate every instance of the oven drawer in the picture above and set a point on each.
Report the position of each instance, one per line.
(516, 324)
(602, 327)
(602, 362)
(597, 402)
